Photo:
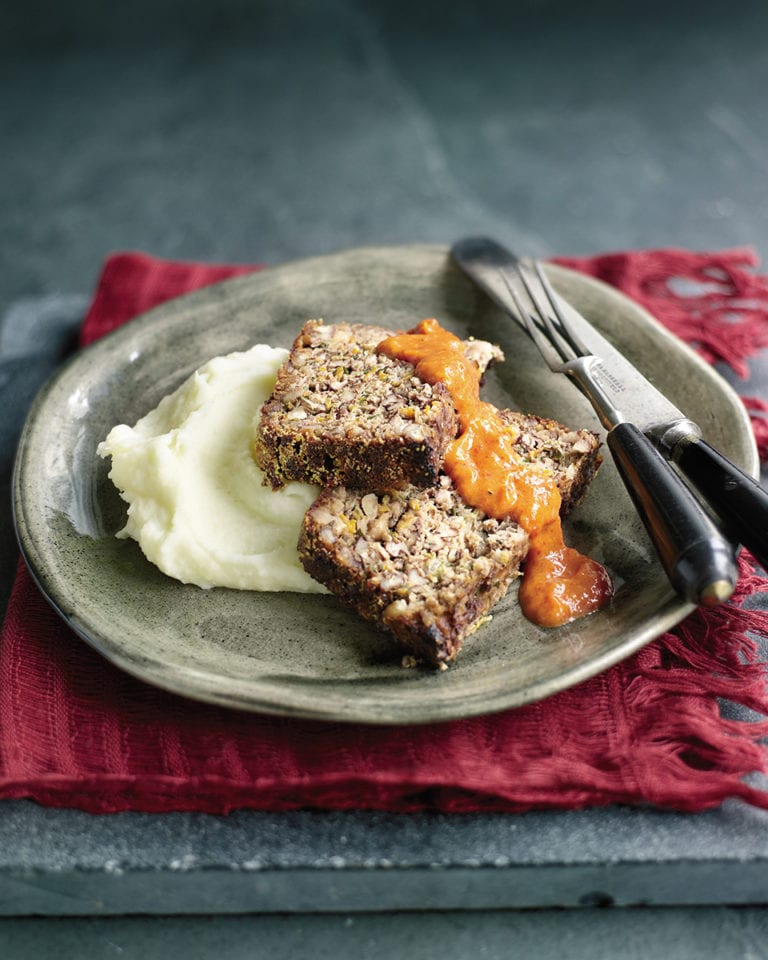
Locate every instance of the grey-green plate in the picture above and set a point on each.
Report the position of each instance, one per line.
(304, 655)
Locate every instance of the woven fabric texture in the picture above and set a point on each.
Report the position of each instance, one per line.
(76, 732)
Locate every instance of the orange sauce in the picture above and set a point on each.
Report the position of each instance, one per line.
(559, 584)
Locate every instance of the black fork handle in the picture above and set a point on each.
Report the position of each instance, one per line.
(697, 558)
(735, 496)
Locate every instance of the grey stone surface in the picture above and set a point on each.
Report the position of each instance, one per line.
(263, 131)
(689, 934)
(325, 840)
(315, 862)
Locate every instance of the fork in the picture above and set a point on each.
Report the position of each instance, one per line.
(697, 558)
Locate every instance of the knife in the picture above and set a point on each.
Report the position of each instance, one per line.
(641, 411)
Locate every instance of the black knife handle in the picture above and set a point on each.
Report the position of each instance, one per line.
(735, 496)
(698, 560)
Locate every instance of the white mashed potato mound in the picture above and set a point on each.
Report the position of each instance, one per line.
(197, 505)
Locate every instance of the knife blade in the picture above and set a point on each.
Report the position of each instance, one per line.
(732, 494)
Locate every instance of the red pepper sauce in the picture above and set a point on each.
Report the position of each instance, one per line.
(559, 584)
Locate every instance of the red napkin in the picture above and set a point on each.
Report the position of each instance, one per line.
(77, 732)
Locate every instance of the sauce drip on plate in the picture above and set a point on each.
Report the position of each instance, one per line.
(559, 583)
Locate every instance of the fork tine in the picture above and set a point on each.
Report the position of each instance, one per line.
(546, 348)
(565, 331)
(560, 343)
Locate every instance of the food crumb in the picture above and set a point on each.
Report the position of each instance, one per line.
(476, 626)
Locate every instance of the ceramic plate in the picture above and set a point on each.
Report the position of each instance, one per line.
(304, 655)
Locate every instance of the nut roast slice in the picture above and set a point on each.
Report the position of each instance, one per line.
(420, 563)
(342, 414)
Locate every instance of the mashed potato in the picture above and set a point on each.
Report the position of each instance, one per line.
(197, 506)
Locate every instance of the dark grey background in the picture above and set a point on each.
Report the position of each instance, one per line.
(265, 131)
(268, 130)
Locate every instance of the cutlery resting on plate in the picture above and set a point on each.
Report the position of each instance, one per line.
(646, 432)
